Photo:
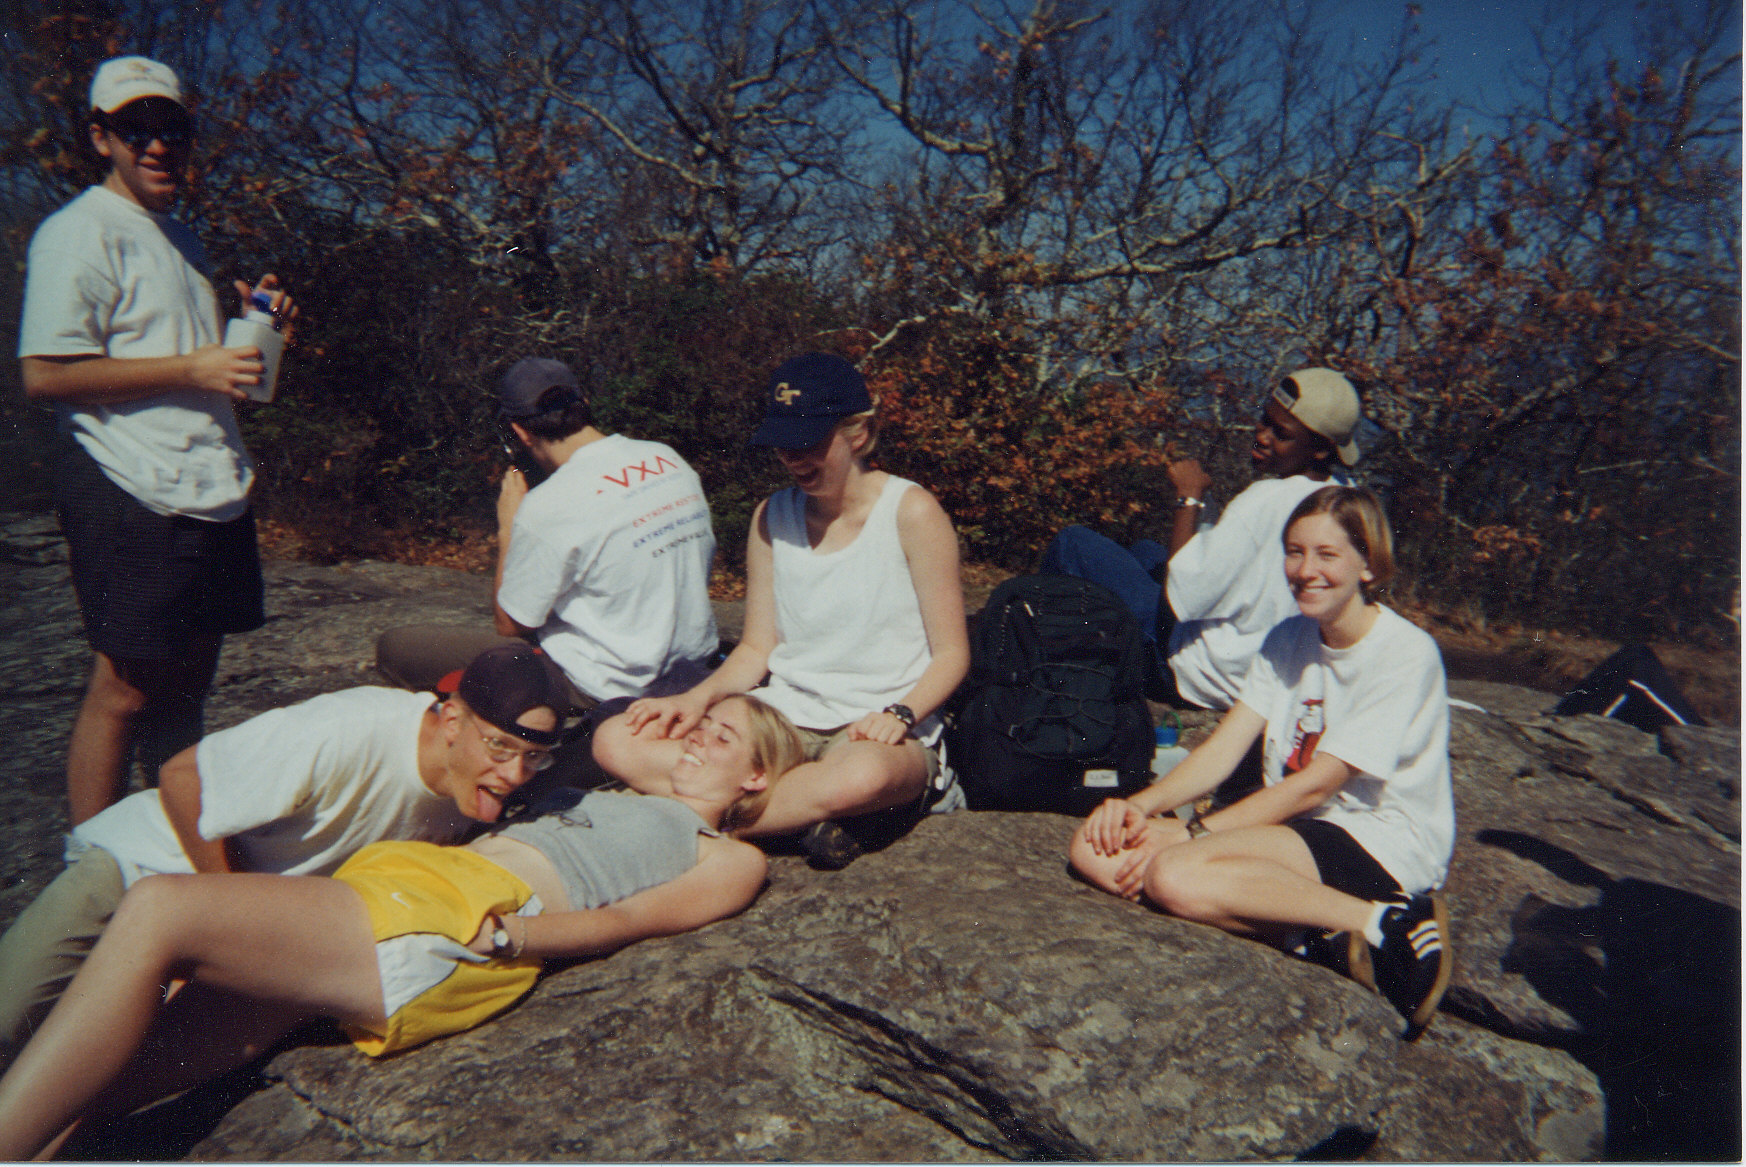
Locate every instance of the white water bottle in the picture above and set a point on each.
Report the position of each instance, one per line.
(1166, 753)
(257, 326)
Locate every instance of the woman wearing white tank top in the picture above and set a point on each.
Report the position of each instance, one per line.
(855, 611)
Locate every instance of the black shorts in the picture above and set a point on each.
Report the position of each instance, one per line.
(1342, 864)
(150, 584)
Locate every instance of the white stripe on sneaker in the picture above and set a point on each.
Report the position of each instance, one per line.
(1426, 939)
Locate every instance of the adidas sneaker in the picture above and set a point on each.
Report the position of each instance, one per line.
(1414, 964)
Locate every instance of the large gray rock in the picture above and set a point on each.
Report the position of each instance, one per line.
(957, 996)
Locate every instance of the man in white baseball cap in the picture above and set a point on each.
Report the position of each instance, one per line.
(121, 334)
(124, 79)
(1210, 598)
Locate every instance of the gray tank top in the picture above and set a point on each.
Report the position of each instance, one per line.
(608, 845)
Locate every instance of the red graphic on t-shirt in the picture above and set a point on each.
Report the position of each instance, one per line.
(1305, 736)
(661, 466)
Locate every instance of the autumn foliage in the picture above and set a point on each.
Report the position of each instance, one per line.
(1014, 458)
(1065, 244)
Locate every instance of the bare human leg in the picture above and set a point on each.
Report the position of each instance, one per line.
(1250, 882)
(302, 945)
(120, 697)
(851, 778)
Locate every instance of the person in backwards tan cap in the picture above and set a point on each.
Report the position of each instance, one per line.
(121, 334)
(1209, 599)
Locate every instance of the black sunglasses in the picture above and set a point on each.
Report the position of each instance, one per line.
(139, 135)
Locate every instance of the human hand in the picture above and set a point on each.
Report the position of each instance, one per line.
(1112, 824)
(879, 727)
(282, 305)
(509, 498)
(1189, 479)
(482, 944)
(664, 717)
(230, 371)
(1155, 835)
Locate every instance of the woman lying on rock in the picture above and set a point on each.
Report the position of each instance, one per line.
(1334, 856)
(407, 942)
(855, 610)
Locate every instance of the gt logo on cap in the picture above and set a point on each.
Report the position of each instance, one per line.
(786, 393)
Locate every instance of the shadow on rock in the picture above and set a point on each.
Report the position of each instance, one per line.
(170, 1130)
(1652, 976)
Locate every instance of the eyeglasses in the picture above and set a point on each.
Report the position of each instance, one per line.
(501, 751)
(139, 136)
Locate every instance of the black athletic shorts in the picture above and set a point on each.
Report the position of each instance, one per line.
(149, 584)
(1342, 863)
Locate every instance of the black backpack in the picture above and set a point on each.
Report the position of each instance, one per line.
(1055, 700)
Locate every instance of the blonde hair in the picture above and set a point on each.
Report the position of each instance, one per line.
(856, 424)
(776, 749)
(1360, 515)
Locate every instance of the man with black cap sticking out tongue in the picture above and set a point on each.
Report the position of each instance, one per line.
(293, 791)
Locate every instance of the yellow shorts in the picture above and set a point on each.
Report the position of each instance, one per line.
(426, 903)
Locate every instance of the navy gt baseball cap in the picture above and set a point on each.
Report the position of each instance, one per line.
(806, 398)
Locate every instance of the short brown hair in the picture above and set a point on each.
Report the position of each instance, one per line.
(1360, 515)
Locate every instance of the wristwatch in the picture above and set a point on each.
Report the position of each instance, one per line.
(501, 946)
(903, 713)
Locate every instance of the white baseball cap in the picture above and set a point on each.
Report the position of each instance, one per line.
(126, 79)
(1327, 405)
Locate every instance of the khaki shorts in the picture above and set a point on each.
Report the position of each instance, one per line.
(817, 741)
(43, 949)
(426, 904)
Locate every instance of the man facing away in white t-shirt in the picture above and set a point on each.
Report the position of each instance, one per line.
(1223, 586)
(121, 335)
(605, 563)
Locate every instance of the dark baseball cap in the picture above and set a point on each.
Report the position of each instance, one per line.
(527, 390)
(504, 682)
(806, 398)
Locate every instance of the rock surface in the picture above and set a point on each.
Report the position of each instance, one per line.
(956, 996)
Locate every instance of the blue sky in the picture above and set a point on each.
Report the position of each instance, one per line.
(1482, 44)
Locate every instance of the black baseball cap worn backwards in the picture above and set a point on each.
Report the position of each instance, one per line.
(504, 682)
(805, 399)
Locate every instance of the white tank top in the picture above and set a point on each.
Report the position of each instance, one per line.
(849, 635)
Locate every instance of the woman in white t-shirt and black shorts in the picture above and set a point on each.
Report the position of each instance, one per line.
(1337, 854)
(854, 611)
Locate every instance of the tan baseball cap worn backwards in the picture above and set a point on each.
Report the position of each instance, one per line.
(126, 79)
(1327, 405)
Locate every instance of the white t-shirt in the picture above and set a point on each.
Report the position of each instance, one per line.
(1227, 587)
(849, 632)
(1381, 707)
(609, 560)
(299, 789)
(108, 278)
